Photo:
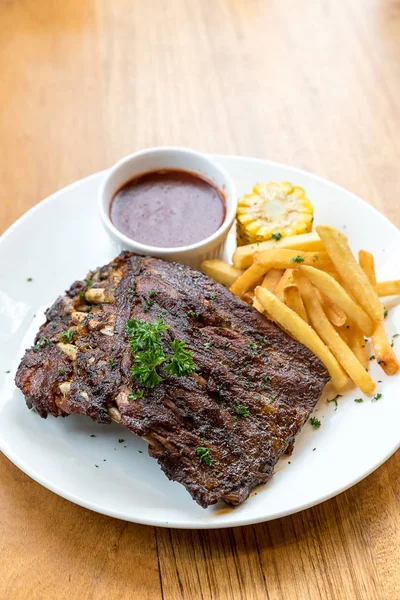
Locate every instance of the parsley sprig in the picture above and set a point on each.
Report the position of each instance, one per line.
(204, 454)
(297, 259)
(68, 335)
(181, 362)
(241, 409)
(145, 340)
(316, 423)
(41, 343)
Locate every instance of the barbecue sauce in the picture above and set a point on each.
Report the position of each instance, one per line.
(168, 209)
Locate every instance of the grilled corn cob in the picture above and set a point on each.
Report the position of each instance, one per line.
(273, 210)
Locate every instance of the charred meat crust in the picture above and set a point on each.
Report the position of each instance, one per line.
(242, 359)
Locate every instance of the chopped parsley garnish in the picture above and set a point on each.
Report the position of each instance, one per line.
(358, 400)
(204, 454)
(266, 377)
(29, 279)
(89, 282)
(113, 363)
(253, 346)
(372, 357)
(61, 371)
(82, 295)
(181, 362)
(241, 409)
(297, 259)
(136, 396)
(145, 340)
(148, 305)
(272, 399)
(315, 422)
(396, 335)
(207, 345)
(87, 309)
(335, 399)
(385, 314)
(92, 435)
(315, 257)
(8, 371)
(191, 313)
(152, 293)
(276, 236)
(213, 295)
(68, 336)
(377, 396)
(120, 441)
(130, 291)
(145, 365)
(41, 343)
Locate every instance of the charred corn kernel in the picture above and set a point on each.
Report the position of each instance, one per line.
(273, 209)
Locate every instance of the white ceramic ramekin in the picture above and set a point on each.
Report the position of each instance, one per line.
(155, 159)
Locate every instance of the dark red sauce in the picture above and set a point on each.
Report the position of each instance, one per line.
(168, 208)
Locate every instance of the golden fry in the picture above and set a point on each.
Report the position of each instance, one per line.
(367, 264)
(358, 345)
(284, 282)
(385, 357)
(388, 288)
(258, 306)
(248, 297)
(343, 331)
(282, 258)
(302, 332)
(272, 279)
(384, 354)
(351, 273)
(292, 299)
(221, 271)
(243, 256)
(338, 295)
(248, 280)
(335, 314)
(332, 339)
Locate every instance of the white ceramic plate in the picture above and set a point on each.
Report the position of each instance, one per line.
(57, 242)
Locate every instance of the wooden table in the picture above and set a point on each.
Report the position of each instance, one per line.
(315, 84)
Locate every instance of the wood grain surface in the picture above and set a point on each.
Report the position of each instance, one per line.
(313, 83)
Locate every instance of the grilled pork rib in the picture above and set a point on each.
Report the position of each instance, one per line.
(218, 431)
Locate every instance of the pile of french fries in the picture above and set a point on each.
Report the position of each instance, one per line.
(313, 287)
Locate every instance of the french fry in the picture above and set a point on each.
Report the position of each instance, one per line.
(384, 354)
(284, 282)
(343, 331)
(292, 299)
(351, 273)
(221, 271)
(282, 258)
(358, 345)
(330, 336)
(258, 306)
(302, 332)
(388, 288)
(367, 264)
(385, 357)
(248, 280)
(338, 295)
(272, 279)
(243, 256)
(248, 297)
(335, 314)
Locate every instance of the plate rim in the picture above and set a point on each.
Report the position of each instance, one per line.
(206, 524)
